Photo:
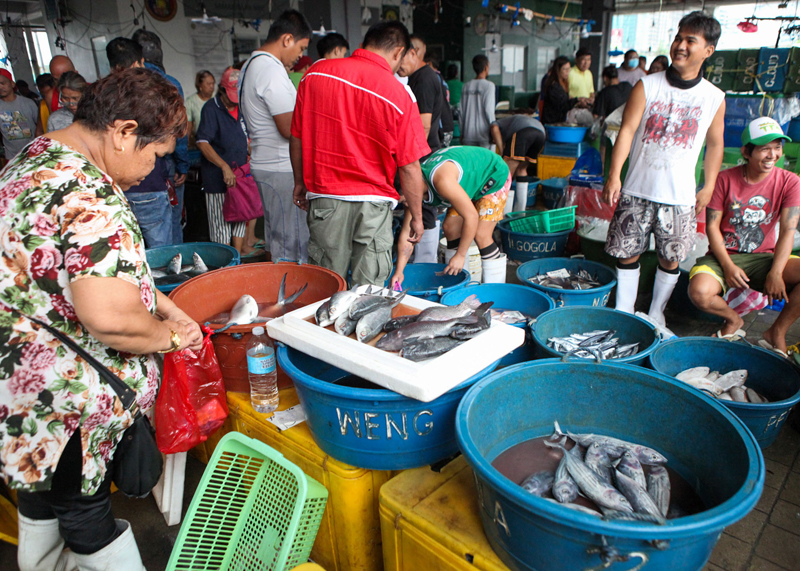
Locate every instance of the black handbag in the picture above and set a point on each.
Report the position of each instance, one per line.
(137, 462)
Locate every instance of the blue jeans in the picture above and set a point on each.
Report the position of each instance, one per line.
(177, 211)
(154, 214)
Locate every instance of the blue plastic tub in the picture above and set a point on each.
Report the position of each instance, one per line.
(375, 429)
(565, 134)
(563, 321)
(771, 375)
(213, 254)
(421, 281)
(522, 247)
(702, 440)
(552, 191)
(597, 297)
(510, 297)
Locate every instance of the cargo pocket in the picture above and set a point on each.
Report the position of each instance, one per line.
(376, 265)
(316, 254)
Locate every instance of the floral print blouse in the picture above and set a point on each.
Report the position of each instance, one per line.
(62, 220)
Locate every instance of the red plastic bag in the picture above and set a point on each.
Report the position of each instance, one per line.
(191, 404)
(589, 202)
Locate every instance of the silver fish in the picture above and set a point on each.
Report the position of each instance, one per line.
(565, 490)
(158, 274)
(614, 446)
(421, 330)
(341, 301)
(693, 373)
(631, 467)
(658, 486)
(510, 316)
(321, 315)
(754, 397)
(730, 380)
(244, 311)
(199, 265)
(593, 487)
(597, 459)
(539, 483)
(443, 313)
(638, 496)
(576, 507)
(344, 325)
(367, 303)
(613, 515)
(421, 349)
(372, 323)
(398, 322)
(738, 394)
(174, 266)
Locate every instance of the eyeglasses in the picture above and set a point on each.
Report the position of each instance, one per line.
(68, 102)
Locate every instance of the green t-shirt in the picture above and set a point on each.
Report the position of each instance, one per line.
(455, 85)
(482, 172)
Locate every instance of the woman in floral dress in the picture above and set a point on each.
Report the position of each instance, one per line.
(72, 255)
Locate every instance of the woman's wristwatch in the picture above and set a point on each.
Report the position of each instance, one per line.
(175, 339)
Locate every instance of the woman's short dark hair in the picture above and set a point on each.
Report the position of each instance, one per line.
(72, 80)
(699, 22)
(135, 94)
(201, 75)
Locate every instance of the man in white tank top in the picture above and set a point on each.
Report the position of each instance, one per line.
(667, 118)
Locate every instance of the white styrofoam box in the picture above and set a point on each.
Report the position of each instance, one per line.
(424, 381)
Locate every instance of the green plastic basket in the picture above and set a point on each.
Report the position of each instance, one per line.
(252, 510)
(542, 222)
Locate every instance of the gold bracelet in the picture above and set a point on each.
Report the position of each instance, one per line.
(175, 339)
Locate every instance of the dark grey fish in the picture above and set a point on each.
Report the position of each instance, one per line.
(658, 486)
(597, 459)
(630, 466)
(638, 497)
(614, 446)
(472, 329)
(443, 313)
(539, 483)
(565, 490)
(398, 322)
(421, 330)
(421, 349)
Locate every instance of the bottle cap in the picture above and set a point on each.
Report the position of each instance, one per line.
(258, 330)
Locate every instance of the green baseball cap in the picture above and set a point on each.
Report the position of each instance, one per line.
(762, 131)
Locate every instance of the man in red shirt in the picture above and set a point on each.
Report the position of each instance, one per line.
(741, 219)
(353, 127)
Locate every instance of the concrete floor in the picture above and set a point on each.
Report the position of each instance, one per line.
(768, 539)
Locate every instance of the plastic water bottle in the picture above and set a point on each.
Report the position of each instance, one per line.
(262, 372)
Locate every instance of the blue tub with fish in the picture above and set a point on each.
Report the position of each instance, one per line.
(772, 376)
(564, 321)
(704, 443)
(214, 256)
(522, 246)
(368, 426)
(529, 302)
(429, 282)
(560, 267)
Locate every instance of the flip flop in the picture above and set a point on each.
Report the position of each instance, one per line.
(252, 254)
(764, 344)
(735, 335)
(259, 244)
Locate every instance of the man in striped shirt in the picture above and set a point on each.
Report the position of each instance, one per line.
(354, 126)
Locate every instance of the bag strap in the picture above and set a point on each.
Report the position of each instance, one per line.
(126, 394)
(241, 86)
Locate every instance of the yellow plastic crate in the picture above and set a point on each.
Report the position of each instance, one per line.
(554, 167)
(430, 520)
(349, 537)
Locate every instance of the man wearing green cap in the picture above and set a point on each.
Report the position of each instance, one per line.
(748, 202)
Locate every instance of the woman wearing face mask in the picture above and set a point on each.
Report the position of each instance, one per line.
(630, 71)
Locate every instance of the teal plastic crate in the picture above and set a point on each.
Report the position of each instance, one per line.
(542, 222)
(253, 509)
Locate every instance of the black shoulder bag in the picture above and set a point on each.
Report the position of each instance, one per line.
(137, 462)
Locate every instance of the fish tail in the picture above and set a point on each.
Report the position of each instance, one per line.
(483, 308)
(557, 433)
(399, 298)
(472, 302)
(282, 291)
(295, 295)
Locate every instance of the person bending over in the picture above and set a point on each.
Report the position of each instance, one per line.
(473, 183)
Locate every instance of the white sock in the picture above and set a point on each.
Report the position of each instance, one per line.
(521, 195)
(662, 291)
(627, 288)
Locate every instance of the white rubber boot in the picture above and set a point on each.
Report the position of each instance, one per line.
(662, 291)
(509, 205)
(627, 288)
(521, 194)
(120, 555)
(494, 270)
(448, 254)
(41, 547)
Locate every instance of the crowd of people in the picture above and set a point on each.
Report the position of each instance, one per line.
(334, 147)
